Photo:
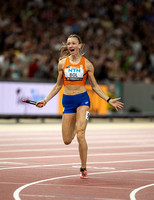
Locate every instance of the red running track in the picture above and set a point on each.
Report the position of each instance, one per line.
(36, 165)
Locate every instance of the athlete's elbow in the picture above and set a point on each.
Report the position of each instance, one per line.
(58, 87)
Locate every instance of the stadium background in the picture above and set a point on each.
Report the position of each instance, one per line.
(118, 38)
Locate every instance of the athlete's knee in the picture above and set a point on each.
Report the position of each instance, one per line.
(67, 141)
(80, 135)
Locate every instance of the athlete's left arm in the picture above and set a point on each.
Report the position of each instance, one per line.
(97, 89)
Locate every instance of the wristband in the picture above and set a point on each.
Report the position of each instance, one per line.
(108, 99)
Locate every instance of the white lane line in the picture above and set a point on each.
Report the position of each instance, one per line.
(12, 163)
(44, 196)
(133, 193)
(31, 138)
(149, 173)
(102, 131)
(11, 183)
(91, 167)
(55, 165)
(73, 197)
(16, 194)
(71, 156)
(74, 148)
(110, 141)
(103, 137)
(108, 136)
(32, 144)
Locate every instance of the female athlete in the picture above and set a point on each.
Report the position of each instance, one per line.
(73, 70)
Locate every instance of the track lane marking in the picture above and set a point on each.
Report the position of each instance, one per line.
(65, 164)
(133, 193)
(12, 163)
(71, 156)
(16, 193)
(109, 141)
(51, 137)
(74, 148)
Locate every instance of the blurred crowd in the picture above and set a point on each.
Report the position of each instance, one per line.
(117, 36)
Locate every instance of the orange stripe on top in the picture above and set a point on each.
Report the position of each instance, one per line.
(74, 74)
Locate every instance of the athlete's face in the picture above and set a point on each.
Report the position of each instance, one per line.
(73, 45)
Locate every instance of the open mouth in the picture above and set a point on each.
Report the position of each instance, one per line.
(72, 50)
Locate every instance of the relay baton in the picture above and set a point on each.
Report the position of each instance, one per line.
(31, 102)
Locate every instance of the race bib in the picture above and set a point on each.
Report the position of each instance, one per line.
(73, 73)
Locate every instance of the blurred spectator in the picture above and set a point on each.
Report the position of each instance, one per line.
(16, 69)
(25, 58)
(33, 68)
(4, 64)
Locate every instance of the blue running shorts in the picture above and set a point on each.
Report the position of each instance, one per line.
(72, 102)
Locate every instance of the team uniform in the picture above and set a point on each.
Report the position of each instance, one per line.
(75, 74)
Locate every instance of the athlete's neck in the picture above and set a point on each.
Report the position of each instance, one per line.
(75, 58)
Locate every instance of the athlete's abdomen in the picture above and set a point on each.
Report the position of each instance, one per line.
(74, 89)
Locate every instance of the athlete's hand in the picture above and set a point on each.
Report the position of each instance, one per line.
(116, 103)
(41, 103)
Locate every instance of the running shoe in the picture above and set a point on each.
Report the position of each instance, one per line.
(83, 173)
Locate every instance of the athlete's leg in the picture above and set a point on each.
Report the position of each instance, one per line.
(81, 128)
(68, 127)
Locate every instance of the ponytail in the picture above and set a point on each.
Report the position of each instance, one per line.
(64, 51)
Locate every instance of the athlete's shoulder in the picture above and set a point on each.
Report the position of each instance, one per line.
(62, 63)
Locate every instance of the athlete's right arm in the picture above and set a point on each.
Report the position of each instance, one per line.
(57, 86)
